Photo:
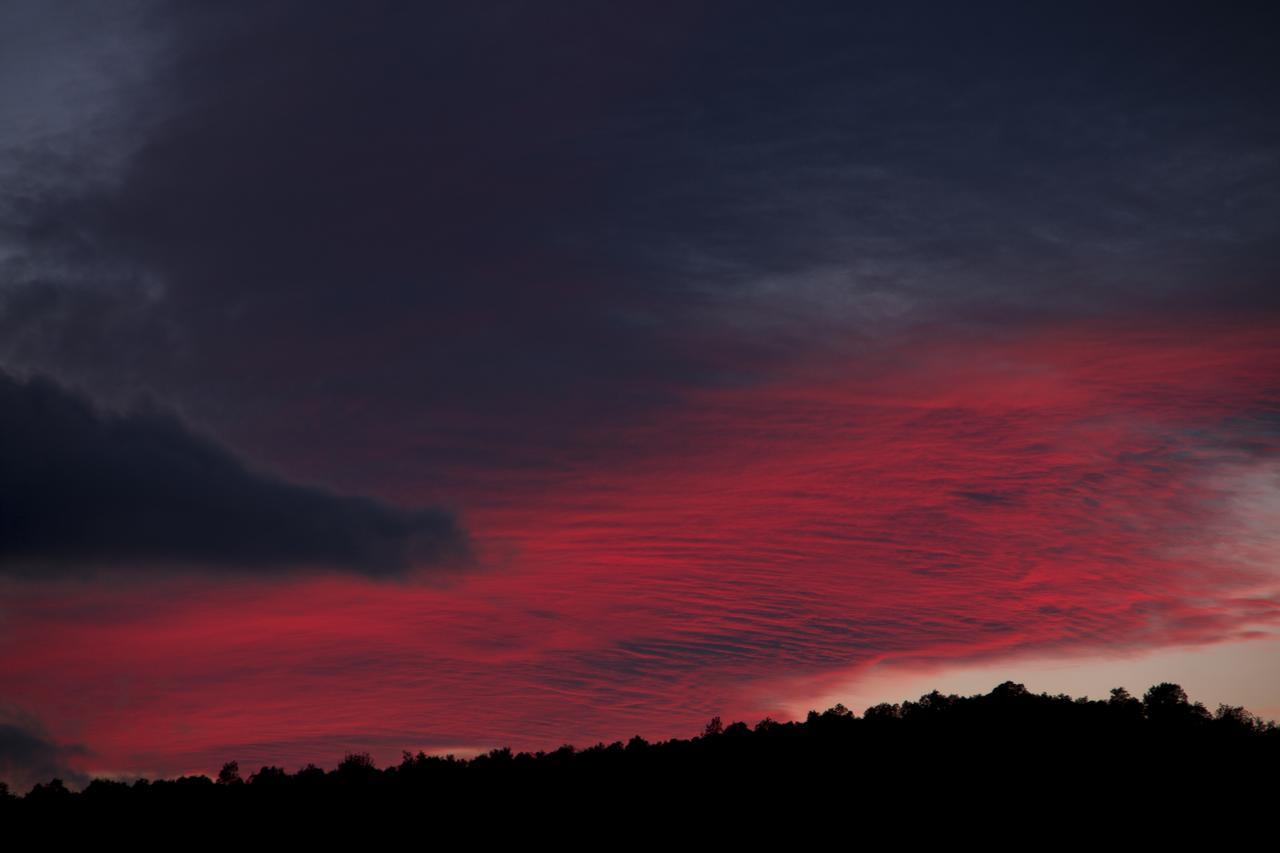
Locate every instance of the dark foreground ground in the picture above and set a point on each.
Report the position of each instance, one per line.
(1010, 765)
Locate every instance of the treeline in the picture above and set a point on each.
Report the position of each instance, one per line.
(1010, 744)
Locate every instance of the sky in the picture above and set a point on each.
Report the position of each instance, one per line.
(392, 376)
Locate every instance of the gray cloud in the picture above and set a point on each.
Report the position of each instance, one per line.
(28, 756)
(436, 220)
(83, 489)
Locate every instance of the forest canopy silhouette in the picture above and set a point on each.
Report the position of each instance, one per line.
(1009, 741)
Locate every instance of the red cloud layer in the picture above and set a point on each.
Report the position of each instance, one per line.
(1078, 489)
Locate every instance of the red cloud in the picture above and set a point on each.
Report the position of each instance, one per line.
(1081, 489)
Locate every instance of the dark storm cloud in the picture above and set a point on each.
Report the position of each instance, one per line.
(523, 218)
(88, 490)
(28, 757)
(397, 203)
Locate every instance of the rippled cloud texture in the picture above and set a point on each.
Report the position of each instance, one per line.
(1080, 490)
(720, 354)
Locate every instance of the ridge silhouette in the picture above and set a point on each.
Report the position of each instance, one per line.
(1009, 749)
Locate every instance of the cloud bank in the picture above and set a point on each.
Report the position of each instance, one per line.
(85, 489)
(28, 756)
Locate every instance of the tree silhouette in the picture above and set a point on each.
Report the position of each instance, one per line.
(1237, 721)
(230, 774)
(269, 776)
(1164, 696)
(1008, 690)
(1000, 746)
(357, 767)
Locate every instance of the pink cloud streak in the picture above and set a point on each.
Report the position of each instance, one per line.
(1081, 488)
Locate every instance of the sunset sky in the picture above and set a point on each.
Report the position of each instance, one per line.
(382, 376)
